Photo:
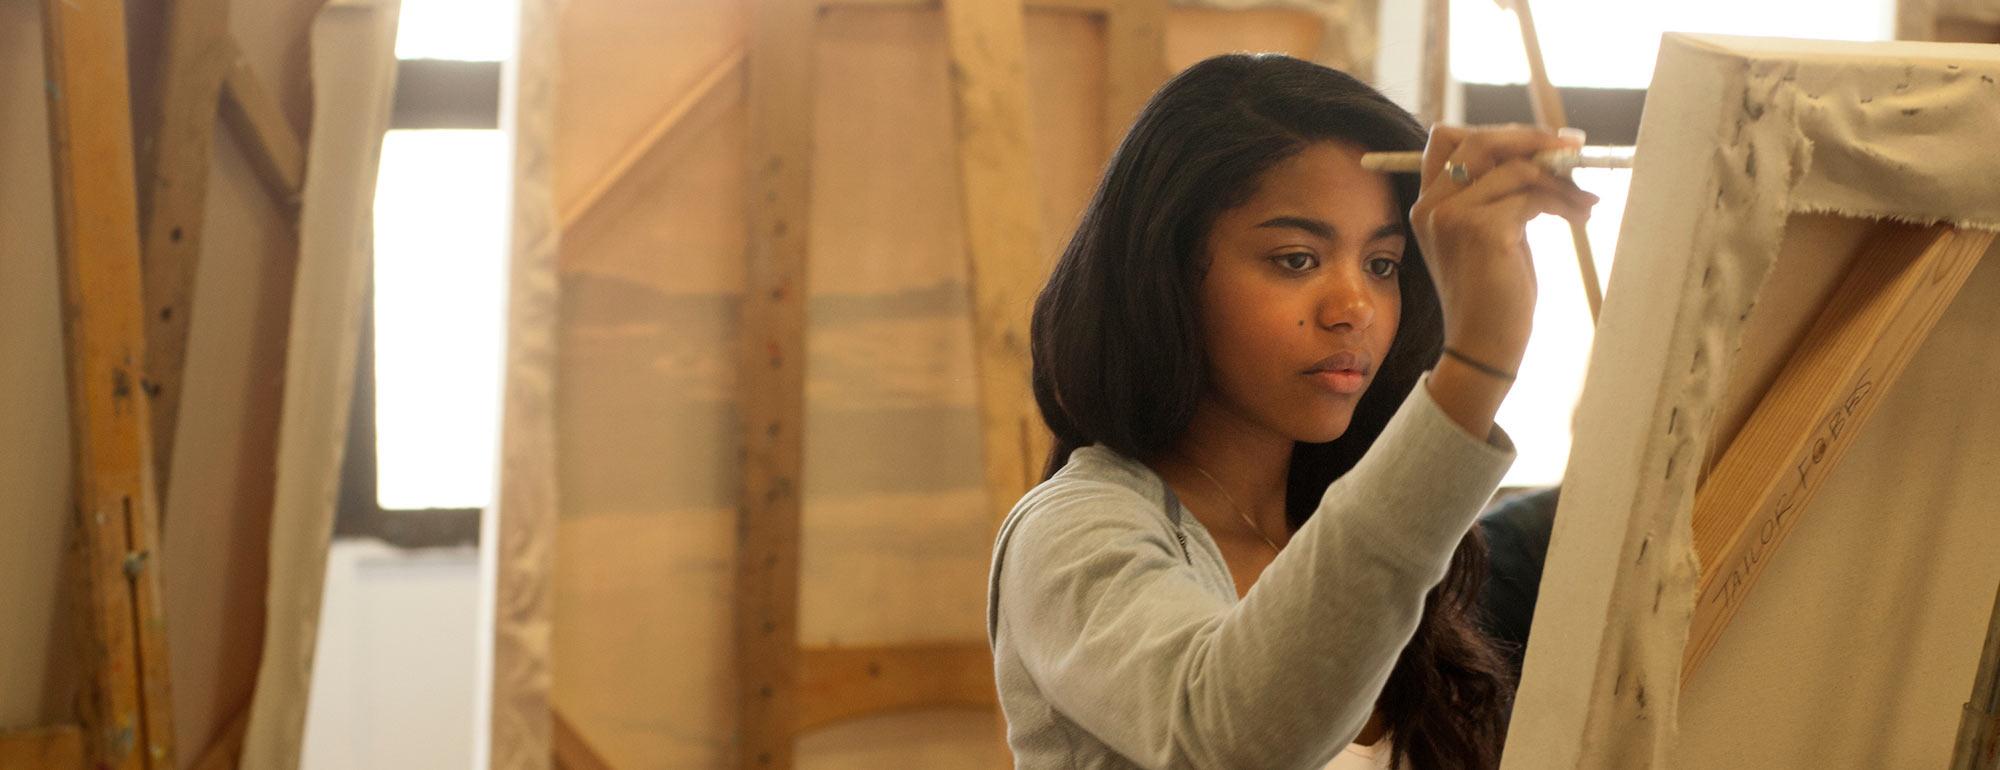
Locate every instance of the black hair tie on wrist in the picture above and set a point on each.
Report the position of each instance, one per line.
(1486, 368)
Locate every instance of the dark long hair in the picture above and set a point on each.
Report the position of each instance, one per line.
(1117, 347)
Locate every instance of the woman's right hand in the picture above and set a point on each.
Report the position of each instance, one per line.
(1473, 235)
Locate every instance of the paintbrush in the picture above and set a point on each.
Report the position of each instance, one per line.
(1559, 161)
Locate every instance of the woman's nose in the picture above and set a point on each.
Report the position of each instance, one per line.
(1347, 301)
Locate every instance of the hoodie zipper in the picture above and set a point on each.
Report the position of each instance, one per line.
(1173, 506)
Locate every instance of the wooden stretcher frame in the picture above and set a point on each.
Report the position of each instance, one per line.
(1864, 337)
(205, 76)
(1134, 29)
(784, 689)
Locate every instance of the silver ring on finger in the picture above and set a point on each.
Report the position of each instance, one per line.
(1457, 171)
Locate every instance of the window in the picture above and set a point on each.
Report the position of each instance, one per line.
(456, 30)
(1591, 43)
(440, 283)
(1601, 56)
(427, 409)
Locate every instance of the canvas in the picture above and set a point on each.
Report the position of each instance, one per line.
(896, 519)
(1764, 168)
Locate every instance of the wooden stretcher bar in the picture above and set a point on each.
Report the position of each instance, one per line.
(1792, 443)
(773, 381)
(174, 167)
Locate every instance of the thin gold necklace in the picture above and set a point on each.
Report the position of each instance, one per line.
(1254, 529)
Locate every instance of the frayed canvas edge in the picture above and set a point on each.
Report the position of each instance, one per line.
(1974, 222)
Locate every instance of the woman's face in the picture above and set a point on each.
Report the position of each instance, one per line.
(1300, 301)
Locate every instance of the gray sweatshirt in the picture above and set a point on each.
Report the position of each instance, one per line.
(1119, 641)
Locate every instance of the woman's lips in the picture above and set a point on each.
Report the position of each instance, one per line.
(1346, 382)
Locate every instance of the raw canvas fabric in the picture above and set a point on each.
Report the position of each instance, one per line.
(521, 524)
(353, 72)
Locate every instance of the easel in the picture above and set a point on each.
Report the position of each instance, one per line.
(1549, 114)
(1542, 96)
(1978, 746)
(122, 441)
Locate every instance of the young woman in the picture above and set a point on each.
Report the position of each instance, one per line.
(1271, 376)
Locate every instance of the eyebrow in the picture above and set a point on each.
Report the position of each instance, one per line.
(1325, 231)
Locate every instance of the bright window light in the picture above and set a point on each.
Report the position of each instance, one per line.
(1537, 411)
(1600, 44)
(440, 277)
(467, 30)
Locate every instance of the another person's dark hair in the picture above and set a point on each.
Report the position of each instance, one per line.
(1117, 346)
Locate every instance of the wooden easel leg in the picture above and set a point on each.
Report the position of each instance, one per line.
(1547, 103)
(1979, 731)
(1437, 62)
(128, 722)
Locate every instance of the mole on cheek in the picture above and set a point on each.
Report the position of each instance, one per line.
(1302, 323)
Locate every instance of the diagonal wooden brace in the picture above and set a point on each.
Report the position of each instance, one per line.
(1898, 287)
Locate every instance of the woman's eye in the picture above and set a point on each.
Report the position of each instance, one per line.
(1383, 267)
(1297, 261)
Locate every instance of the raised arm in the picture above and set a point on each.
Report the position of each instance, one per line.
(1114, 628)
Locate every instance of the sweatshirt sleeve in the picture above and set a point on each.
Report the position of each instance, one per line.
(1116, 632)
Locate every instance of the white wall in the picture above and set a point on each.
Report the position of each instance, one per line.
(393, 683)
